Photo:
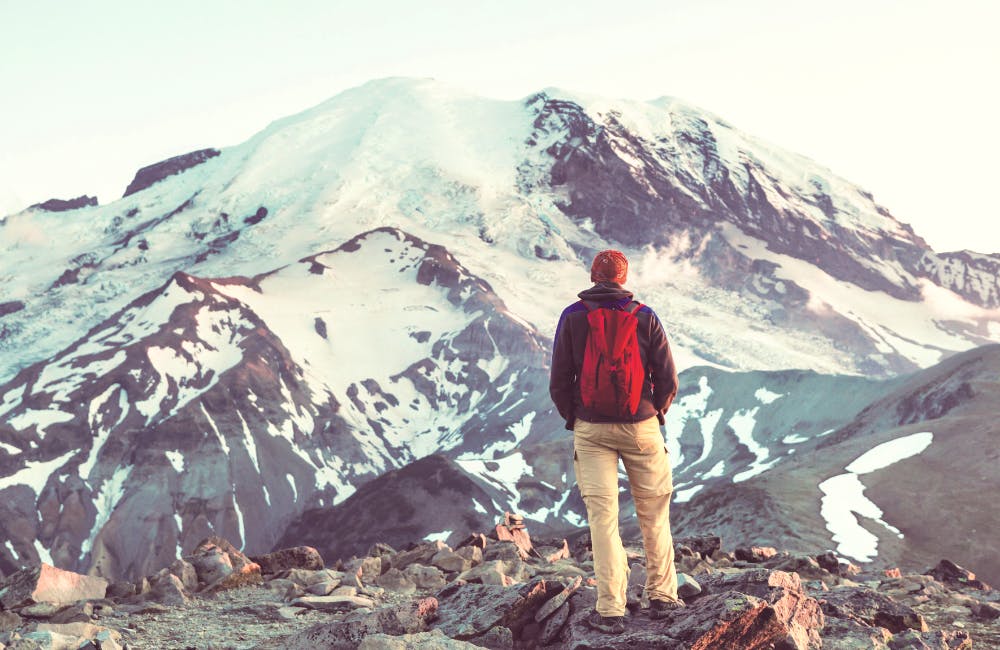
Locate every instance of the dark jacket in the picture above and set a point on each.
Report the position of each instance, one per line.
(658, 390)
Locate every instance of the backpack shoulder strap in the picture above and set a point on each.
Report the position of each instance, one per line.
(634, 310)
(591, 306)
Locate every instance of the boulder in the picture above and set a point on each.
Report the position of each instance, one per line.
(552, 604)
(349, 633)
(687, 587)
(167, 589)
(323, 588)
(869, 607)
(9, 621)
(333, 603)
(186, 573)
(706, 545)
(433, 640)
(297, 557)
(755, 553)
(795, 612)
(939, 640)
(46, 583)
(397, 581)
(420, 554)
(635, 591)
(844, 634)
(425, 577)
(473, 554)
(468, 610)
(211, 564)
(449, 561)
(950, 573)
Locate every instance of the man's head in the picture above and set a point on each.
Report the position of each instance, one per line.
(609, 266)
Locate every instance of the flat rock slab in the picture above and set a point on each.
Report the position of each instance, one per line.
(297, 557)
(723, 620)
(468, 610)
(333, 603)
(409, 618)
(46, 583)
(869, 607)
(433, 640)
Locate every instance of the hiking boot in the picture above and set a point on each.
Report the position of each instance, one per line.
(664, 608)
(606, 624)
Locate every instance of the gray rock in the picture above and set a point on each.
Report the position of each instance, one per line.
(433, 640)
(496, 638)
(869, 607)
(636, 588)
(349, 633)
(186, 573)
(448, 560)
(345, 590)
(473, 554)
(9, 621)
(687, 587)
(468, 610)
(324, 575)
(211, 563)
(421, 554)
(487, 573)
(397, 581)
(426, 577)
(333, 603)
(322, 588)
(554, 624)
(297, 557)
(167, 589)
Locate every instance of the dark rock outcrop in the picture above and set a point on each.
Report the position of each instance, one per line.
(394, 508)
(156, 172)
(65, 205)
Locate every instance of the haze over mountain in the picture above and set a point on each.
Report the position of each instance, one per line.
(255, 331)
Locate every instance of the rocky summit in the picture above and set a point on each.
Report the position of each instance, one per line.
(501, 590)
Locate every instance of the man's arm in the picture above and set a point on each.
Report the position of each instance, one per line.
(562, 377)
(662, 370)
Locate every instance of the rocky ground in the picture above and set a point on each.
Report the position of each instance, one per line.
(498, 591)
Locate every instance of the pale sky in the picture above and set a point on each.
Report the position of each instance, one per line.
(899, 96)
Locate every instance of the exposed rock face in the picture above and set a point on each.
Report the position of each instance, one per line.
(65, 205)
(158, 171)
(431, 495)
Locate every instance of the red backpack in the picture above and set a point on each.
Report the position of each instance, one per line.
(612, 376)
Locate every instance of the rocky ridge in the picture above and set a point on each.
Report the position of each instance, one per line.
(499, 591)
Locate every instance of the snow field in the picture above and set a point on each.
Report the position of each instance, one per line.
(844, 501)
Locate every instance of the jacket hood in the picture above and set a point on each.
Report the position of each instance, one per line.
(605, 292)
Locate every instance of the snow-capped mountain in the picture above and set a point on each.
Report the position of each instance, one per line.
(258, 330)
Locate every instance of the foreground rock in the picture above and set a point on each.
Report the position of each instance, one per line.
(46, 583)
(507, 599)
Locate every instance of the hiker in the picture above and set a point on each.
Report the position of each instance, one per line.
(613, 379)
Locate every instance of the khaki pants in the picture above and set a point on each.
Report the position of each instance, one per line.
(596, 449)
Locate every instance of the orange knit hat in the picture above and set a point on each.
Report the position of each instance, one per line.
(609, 266)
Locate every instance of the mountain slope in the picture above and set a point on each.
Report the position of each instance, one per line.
(754, 257)
(187, 413)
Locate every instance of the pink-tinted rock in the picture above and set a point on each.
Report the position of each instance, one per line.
(46, 583)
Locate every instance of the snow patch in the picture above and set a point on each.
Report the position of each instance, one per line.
(35, 473)
(764, 396)
(176, 459)
(843, 496)
(106, 500)
(438, 537)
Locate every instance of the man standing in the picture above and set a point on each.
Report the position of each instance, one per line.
(613, 379)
